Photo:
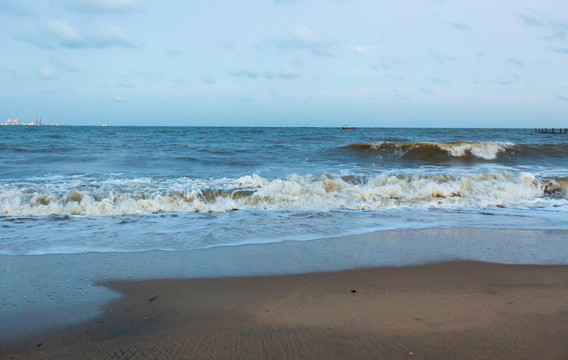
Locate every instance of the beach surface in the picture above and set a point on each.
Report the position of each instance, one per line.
(40, 293)
(463, 309)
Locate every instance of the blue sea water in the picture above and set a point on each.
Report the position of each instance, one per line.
(94, 189)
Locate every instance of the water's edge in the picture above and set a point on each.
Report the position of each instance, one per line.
(51, 291)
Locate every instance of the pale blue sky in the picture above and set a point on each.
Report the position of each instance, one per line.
(285, 63)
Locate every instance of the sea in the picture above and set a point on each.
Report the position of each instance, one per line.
(80, 189)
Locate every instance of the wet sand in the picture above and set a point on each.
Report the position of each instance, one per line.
(465, 310)
(42, 292)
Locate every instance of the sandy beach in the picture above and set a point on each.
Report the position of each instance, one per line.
(467, 310)
(283, 179)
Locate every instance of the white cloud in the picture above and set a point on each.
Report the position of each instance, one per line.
(363, 49)
(110, 35)
(118, 98)
(287, 72)
(64, 34)
(46, 73)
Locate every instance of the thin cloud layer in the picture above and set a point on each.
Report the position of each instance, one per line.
(459, 26)
(441, 58)
(543, 21)
(285, 72)
(556, 36)
(554, 29)
(59, 34)
(244, 72)
(303, 38)
(99, 6)
(64, 35)
(559, 50)
(515, 62)
(46, 73)
(110, 35)
(207, 80)
(68, 67)
(364, 49)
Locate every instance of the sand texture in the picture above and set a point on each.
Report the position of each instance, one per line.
(456, 310)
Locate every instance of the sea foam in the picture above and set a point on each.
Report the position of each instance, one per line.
(310, 193)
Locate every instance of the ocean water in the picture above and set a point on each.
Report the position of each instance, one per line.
(98, 189)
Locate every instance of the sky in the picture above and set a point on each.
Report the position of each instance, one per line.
(415, 63)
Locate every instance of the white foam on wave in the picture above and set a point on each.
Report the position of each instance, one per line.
(249, 182)
(310, 193)
(483, 150)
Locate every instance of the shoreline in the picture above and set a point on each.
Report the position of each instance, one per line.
(47, 292)
(458, 309)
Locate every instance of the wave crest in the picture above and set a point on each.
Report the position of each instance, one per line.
(306, 193)
(482, 150)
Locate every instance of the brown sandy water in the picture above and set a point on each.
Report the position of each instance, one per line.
(466, 310)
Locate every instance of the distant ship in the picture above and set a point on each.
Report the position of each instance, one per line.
(345, 127)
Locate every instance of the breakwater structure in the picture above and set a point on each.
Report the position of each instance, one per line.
(550, 131)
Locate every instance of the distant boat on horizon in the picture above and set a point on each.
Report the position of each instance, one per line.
(346, 127)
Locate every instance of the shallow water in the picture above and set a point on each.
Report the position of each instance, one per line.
(84, 189)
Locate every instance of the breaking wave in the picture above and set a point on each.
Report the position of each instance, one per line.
(433, 151)
(305, 193)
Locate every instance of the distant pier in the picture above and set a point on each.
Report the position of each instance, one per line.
(550, 131)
